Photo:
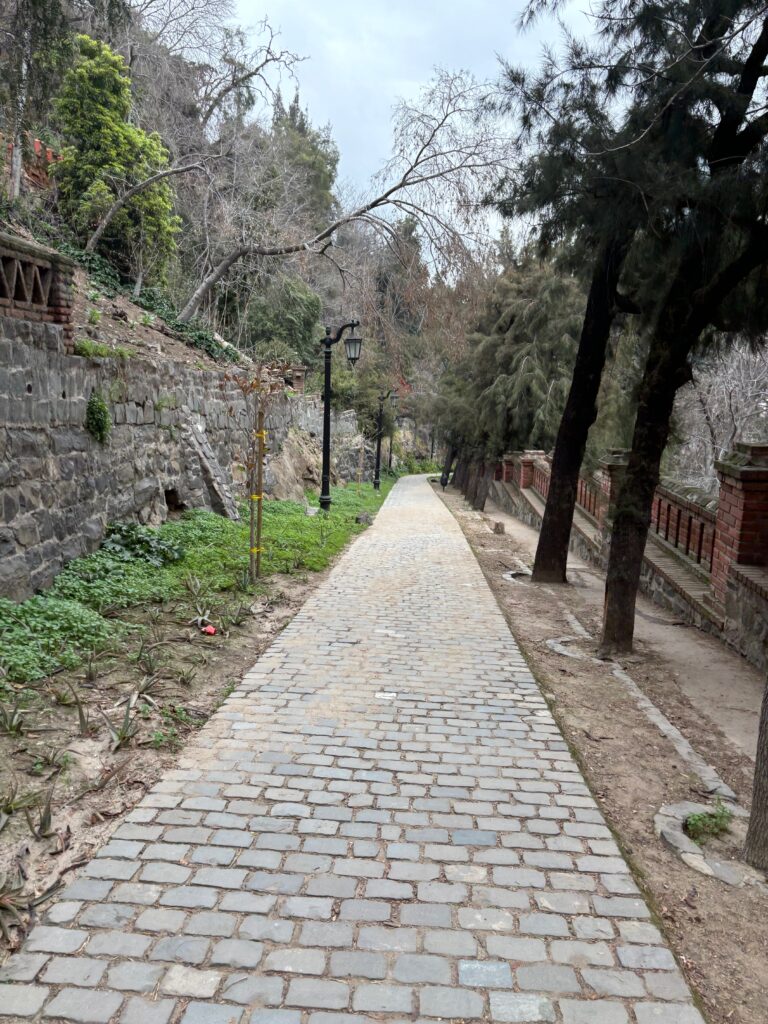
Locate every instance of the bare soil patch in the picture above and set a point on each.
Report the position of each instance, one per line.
(719, 933)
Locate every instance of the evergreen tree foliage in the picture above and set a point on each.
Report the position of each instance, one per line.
(104, 152)
(35, 47)
(283, 323)
(509, 391)
(310, 153)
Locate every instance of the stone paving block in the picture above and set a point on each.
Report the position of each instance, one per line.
(267, 928)
(521, 1008)
(486, 920)
(297, 961)
(547, 978)
(107, 915)
(601, 1011)
(191, 896)
(63, 913)
(22, 967)
(667, 985)
(156, 920)
(189, 981)
(253, 990)
(183, 949)
(147, 1011)
(43, 939)
(513, 948)
(380, 998)
(315, 908)
(207, 1013)
(666, 1013)
(133, 976)
(356, 964)
(73, 970)
(485, 973)
(84, 1006)
(365, 910)
(397, 940)
(237, 953)
(649, 958)
(580, 954)
(452, 1003)
(23, 1000)
(248, 902)
(613, 982)
(433, 915)
(424, 968)
(211, 922)
(315, 993)
(450, 943)
(616, 906)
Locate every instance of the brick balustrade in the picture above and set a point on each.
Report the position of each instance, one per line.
(718, 541)
(741, 529)
(35, 284)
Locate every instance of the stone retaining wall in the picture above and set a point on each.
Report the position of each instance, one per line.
(59, 487)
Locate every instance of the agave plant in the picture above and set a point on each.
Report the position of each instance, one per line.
(122, 734)
(41, 827)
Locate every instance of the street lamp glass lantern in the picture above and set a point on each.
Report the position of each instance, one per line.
(393, 399)
(353, 343)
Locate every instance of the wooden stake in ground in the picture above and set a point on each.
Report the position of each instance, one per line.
(261, 436)
(257, 391)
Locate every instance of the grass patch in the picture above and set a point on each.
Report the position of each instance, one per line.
(98, 350)
(60, 628)
(709, 824)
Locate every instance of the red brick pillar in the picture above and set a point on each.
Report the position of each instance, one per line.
(507, 467)
(527, 463)
(741, 527)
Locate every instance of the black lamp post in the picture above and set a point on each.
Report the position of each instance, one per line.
(392, 396)
(352, 344)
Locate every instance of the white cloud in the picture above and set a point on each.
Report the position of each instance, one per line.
(363, 55)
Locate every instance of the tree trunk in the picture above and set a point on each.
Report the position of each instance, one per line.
(666, 370)
(483, 486)
(580, 411)
(213, 278)
(756, 846)
(120, 202)
(17, 163)
(450, 454)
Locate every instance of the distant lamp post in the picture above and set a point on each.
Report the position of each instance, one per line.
(392, 396)
(353, 343)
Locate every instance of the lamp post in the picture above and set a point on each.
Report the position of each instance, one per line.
(392, 396)
(352, 344)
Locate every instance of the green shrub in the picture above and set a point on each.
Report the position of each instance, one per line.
(127, 541)
(709, 824)
(98, 421)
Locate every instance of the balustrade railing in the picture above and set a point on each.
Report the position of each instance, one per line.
(684, 524)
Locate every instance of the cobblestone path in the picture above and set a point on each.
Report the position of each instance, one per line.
(382, 823)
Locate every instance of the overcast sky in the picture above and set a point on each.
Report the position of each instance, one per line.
(362, 55)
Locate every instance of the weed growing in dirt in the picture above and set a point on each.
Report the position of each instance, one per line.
(709, 824)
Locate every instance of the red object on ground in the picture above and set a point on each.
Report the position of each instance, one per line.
(208, 630)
